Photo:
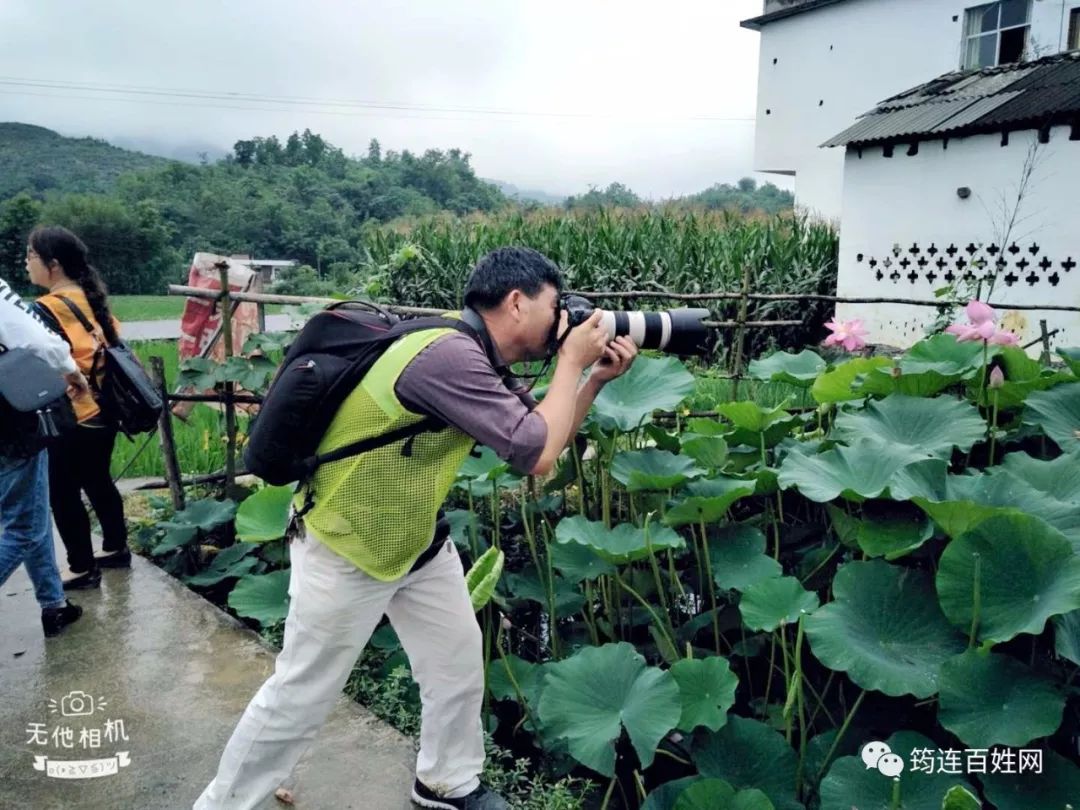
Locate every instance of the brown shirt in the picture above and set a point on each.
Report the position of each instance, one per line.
(453, 379)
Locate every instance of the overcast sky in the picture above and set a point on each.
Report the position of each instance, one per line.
(552, 95)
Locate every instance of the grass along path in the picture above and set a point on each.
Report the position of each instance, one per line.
(156, 307)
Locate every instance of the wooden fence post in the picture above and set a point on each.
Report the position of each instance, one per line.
(165, 432)
(225, 302)
(737, 361)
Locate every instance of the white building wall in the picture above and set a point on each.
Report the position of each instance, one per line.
(906, 209)
(821, 69)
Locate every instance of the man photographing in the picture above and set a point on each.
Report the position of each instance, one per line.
(370, 545)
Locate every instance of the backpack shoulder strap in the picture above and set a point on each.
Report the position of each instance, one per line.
(89, 327)
(78, 313)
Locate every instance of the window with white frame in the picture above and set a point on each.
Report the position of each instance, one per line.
(996, 33)
(1074, 29)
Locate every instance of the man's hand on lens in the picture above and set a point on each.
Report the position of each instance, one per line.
(618, 356)
(586, 343)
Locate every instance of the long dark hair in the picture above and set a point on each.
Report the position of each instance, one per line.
(53, 243)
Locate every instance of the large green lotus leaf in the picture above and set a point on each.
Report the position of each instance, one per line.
(484, 575)
(708, 500)
(1056, 787)
(851, 783)
(529, 677)
(892, 529)
(653, 469)
(708, 451)
(767, 604)
(651, 384)
(528, 585)
(749, 755)
(945, 355)
(1060, 478)
(483, 473)
(748, 415)
(933, 426)
(665, 796)
(960, 798)
(846, 526)
(738, 559)
(1057, 412)
(863, 470)
(661, 437)
(264, 516)
(882, 382)
(1028, 572)
(578, 562)
(716, 794)
(1071, 356)
(233, 561)
(958, 503)
(622, 544)
(184, 527)
(755, 425)
(820, 746)
(884, 628)
(794, 369)
(836, 385)
(1067, 635)
(707, 689)
(591, 696)
(992, 699)
(264, 597)
(703, 426)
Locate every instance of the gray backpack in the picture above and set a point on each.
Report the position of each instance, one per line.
(34, 406)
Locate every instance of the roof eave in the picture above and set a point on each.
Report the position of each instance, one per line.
(756, 23)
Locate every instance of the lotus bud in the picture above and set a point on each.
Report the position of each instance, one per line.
(997, 378)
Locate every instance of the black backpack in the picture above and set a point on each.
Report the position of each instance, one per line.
(328, 359)
(126, 394)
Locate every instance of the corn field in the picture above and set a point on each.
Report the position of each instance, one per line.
(426, 263)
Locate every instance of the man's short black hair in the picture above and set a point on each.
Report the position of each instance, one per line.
(506, 269)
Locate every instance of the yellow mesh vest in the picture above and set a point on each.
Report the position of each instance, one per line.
(378, 509)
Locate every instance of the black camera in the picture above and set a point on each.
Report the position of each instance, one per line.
(675, 331)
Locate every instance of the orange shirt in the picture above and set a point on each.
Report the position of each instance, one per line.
(83, 343)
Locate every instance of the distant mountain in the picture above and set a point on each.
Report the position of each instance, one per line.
(528, 194)
(38, 160)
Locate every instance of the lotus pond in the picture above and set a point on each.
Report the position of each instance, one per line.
(723, 612)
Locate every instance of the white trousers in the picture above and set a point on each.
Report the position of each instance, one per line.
(334, 608)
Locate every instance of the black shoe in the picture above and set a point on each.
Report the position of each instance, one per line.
(91, 579)
(479, 799)
(54, 620)
(115, 559)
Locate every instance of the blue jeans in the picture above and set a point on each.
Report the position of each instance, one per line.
(26, 529)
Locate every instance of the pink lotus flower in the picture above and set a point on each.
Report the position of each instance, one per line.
(849, 334)
(982, 326)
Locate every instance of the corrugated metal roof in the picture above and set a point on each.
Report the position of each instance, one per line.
(1015, 96)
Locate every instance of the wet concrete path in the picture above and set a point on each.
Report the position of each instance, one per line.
(164, 675)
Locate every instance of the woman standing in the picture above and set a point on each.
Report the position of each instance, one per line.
(56, 260)
(25, 532)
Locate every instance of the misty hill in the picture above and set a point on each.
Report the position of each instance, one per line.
(526, 195)
(37, 160)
